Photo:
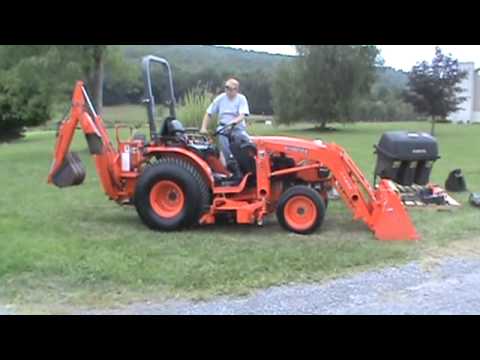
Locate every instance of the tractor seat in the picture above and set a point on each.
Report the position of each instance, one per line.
(172, 128)
(245, 153)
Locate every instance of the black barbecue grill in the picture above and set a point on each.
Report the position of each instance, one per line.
(406, 157)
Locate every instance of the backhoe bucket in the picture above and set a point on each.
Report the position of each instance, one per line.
(71, 173)
(390, 219)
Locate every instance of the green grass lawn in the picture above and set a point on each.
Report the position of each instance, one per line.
(73, 246)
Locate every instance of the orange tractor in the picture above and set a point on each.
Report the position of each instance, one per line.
(176, 179)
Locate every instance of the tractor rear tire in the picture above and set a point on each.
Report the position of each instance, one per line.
(171, 194)
(301, 210)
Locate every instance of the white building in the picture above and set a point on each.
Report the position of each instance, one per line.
(470, 109)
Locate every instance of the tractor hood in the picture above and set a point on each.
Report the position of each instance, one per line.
(290, 145)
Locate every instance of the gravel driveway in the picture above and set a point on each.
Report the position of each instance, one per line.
(451, 287)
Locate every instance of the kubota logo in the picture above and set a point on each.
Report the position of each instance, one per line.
(296, 149)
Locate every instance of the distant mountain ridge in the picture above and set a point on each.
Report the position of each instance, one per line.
(197, 58)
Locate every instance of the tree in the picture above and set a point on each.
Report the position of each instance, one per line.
(257, 86)
(91, 59)
(334, 78)
(123, 82)
(93, 67)
(32, 78)
(433, 89)
(287, 94)
(326, 82)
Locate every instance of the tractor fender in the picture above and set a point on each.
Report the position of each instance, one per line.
(201, 164)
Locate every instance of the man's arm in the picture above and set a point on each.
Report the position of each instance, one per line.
(204, 129)
(244, 111)
(239, 119)
(212, 109)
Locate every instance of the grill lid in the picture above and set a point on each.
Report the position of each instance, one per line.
(408, 146)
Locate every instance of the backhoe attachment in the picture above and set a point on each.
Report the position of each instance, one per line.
(67, 168)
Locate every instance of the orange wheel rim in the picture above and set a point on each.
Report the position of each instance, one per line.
(300, 213)
(167, 199)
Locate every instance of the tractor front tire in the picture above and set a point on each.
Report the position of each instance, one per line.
(326, 200)
(301, 210)
(171, 194)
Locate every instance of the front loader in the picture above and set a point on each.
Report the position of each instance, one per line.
(176, 180)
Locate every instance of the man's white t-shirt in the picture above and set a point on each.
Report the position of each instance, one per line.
(228, 110)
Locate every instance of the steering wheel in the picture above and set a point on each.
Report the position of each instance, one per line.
(223, 130)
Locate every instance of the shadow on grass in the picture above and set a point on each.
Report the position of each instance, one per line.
(334, 226)
(318, 129)
(315, 129)
(239, 229)
(329, 131)
(19, 140)
(128, 217)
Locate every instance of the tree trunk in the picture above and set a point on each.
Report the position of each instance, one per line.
(323, 125)
(97, 77)
(432, 131)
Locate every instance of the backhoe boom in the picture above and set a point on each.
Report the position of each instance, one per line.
(83, 113)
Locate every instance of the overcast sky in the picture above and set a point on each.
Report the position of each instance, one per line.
(397, 56)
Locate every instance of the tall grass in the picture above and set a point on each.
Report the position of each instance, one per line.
(194, 105)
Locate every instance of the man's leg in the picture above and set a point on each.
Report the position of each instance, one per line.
(224, 144)
(232, 164)
(240, 135)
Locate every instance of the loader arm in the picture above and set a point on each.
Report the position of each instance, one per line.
(380, 209)
(83, 113)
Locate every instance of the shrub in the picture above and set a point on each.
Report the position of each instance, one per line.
(22, 104)
(193, 106)
(31, 78)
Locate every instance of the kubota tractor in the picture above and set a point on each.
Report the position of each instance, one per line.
(177, 180)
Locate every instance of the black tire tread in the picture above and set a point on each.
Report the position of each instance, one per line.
(178, 163)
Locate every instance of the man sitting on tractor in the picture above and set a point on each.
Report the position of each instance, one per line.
(232, 108)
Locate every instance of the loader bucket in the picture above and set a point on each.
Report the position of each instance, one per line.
(390, 219)
(71, 173)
